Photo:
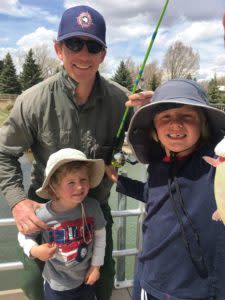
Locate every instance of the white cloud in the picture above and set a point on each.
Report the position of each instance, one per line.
(41, 36)
(130, 25)
(16, 9)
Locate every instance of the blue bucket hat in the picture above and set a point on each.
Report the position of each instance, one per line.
(168, 95)
(82, 20)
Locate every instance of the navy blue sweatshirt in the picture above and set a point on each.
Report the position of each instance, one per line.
(183, 255)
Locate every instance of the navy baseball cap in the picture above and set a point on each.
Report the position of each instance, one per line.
(82, 20)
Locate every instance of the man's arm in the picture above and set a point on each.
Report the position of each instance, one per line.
(23, 209)
(16, 135)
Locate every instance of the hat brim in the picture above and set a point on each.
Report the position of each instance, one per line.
(75, 34)
(97, 170)
(145, 148)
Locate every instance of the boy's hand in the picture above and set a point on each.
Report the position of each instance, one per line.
(216, 216)
(43, 252)
(111, 172)
(92, 275)
(139, 99)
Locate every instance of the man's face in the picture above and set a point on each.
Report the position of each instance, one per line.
(82, 65)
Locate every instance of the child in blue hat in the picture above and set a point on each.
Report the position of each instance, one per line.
(183, 252)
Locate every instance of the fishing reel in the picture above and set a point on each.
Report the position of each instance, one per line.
(120, 158)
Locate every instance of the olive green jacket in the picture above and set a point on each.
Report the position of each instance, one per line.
(45, 119)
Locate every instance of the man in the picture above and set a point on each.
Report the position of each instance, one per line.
(76, 108)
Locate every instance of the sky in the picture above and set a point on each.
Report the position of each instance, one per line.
(25, 24)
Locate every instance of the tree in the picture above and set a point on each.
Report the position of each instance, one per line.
(31, 72)
(152, 76)
(213, 91)
(9, 83)
(48, 65)
(1, 66)
(132, 68)
(180, 61)
(123, 76)
(154, 82)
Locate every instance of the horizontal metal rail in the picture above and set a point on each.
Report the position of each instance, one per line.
(17, 265)
(125, 252)
(9, 266)
(127, 212)
(7, 222)
(115, 213)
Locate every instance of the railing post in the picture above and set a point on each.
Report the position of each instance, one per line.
(141, 218)
(121, 234)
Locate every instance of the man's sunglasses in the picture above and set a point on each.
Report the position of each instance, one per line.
(76, 44)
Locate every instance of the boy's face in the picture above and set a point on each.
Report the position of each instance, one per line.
(82, 65)
(72, 189)
(178, 129)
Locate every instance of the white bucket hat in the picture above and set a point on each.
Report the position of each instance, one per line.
(59, 158)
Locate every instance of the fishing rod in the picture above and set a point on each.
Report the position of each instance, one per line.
(118, 159)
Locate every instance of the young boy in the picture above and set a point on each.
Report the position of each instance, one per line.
(74, 244)
(183, 254)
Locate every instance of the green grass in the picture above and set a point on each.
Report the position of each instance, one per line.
(3, 115)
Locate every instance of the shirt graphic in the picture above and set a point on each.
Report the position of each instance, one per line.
(72, 239)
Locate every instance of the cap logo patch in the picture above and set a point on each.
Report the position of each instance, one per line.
(84, 20)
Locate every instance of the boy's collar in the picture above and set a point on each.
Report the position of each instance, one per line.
(167, 158)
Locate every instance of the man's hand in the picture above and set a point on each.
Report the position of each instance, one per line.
(92, 275)
(26, 220)
(43, 252)
(139, 99)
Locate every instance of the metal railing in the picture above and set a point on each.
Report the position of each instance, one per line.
(119, 254)
(219, 106)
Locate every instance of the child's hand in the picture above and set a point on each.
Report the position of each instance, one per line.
(92, 275)
(43, 252)
(139, 99)
(111, 172)
(216, 216)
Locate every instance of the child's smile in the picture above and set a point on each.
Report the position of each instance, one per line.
(178, 129)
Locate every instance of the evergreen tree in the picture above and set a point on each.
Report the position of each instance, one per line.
(213, 91)
(154, 82)
(1, 66)
(123, 76)
(9, 83)
(189, 77)
(31, 73)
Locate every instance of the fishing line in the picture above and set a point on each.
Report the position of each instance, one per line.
(140, 72)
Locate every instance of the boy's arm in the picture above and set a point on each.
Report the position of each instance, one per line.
(33, 250)
(130, 187)
(93, 273)
(26, 242)
(99, 247)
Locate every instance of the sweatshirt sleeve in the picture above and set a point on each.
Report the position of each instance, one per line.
(130, 187)
(99, 247)
(16, 136)
(26, 242)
